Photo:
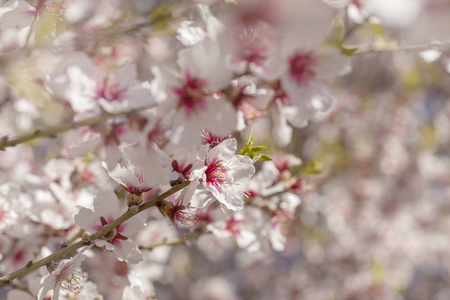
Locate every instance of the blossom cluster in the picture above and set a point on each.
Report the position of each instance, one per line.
(181, 87)
(155, 111)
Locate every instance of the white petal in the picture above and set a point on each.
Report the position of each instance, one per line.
(88, 220)
(48, 282)
(106, 205)
(133, 225)
(281, 131)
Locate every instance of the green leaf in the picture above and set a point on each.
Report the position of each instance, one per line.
(314, 167)
(337, 33)
(265, 157)
(259, 148)
(348, 51)
(252, 152)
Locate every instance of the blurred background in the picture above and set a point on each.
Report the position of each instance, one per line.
(376, 225)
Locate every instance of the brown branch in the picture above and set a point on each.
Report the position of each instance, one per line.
(51, 131)
(366, 49)
(6, 280)
(177, 241)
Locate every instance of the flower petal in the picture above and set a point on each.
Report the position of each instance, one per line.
(106, 205)
(132, 226)
(88, 220)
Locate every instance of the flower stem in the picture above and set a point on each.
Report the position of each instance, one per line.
(4, 280)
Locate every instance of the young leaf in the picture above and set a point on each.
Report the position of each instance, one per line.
(252, 152)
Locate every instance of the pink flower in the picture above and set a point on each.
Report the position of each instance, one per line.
(106, 210)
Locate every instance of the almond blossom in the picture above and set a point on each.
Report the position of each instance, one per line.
(106, 210)
(66, 277)
(145, 169)
(226, 174)
(16, 13)
(89, 88)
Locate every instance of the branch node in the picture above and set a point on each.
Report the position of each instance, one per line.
(86, 238)
(134, 209)
(29, 264)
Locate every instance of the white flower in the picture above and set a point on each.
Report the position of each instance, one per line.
(139, 288)
(226, 174)
(241, 227)
(88, 88)
(302, 91)
(16, 13)
(106, 210)
(66, 277)
(145, 169)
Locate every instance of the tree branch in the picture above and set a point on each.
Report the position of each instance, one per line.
(176, 241)
(40, 133)
(67, 250)
(366, 49)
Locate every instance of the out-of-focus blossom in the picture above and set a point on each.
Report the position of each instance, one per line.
(106, 210)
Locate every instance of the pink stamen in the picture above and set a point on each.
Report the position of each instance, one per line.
(212, 139)
(216, 174)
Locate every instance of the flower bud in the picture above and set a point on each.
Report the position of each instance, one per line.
(86, 238)
(177, 181)
(134, 209)
(134, 199)
(51, 266)
(166, 208)
(29, 264)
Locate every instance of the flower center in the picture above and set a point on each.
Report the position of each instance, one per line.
(139, 176)
(233, 226)
(108, 89)
(302, 65)
(70, 280)
(110, 235)
(216, 174)
(191, 95)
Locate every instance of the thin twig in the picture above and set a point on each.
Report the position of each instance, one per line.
(366, 49)
(76, 236)
(51, 131)
(5, 280)
(21, 287)
(177, 241)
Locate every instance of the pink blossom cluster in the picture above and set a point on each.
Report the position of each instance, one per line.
(236, 128)
(180, 87)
